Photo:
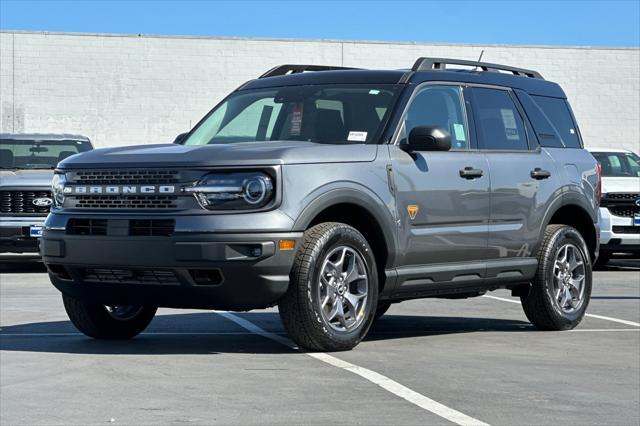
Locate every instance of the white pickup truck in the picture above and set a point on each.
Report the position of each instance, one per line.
(620, 206)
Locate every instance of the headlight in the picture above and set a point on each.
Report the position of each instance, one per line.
(57, 189)
(234, 191)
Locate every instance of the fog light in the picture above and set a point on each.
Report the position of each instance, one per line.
(287, 245)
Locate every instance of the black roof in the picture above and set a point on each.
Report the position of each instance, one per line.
(425, 69)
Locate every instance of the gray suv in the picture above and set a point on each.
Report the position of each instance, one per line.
(27, 161)
(334, 193)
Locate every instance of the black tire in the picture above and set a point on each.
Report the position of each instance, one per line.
(540, 304)
(300, 308)
(383, 307)
(96, 321)
(603, 259)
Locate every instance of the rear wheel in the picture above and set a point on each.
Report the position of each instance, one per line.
(333, 289)
(108, 322)
(561, 289)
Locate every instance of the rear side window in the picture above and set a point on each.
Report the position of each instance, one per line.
(558, 114)
(500, 125)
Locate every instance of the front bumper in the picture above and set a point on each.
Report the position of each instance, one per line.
(616, 242)
(186, 270)
(15, 234)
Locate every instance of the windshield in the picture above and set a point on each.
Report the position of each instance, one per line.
(33, 154)
(321, 113)
(618, 164)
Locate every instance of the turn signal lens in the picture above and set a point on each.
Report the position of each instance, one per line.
(287, 245)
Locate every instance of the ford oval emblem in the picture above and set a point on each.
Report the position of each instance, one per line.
(43, 202)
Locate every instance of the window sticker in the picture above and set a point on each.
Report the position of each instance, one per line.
(572, 131)
(458, 129)
(355, 136)
(296, 119)
(510, 126)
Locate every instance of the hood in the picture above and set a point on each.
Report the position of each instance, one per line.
(620, 184)
(26, 178)
(237, 154)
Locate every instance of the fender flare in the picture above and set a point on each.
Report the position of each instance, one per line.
(569, 198)
(355, 194)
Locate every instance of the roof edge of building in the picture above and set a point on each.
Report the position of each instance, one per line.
(312, 40)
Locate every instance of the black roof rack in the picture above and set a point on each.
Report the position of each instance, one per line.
(430, 64)
(294, 69)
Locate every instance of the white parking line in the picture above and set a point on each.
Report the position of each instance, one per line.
(620, 321)
(384, 382)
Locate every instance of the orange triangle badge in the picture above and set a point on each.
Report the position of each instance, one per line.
(412, 209)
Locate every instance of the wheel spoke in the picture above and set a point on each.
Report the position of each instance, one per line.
(334, 311)
(576, 283)
(353, 300)
(340, 314)
(565, 298)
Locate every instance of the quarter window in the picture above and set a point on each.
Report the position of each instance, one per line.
(558, 114)
(439, 106)
(500, 124)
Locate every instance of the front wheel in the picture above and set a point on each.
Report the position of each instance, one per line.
(108, 322)
(561, 289)
(333, 289)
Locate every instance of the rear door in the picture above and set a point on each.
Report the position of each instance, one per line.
(523, 176)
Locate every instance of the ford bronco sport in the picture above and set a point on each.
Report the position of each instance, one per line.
(334, 193)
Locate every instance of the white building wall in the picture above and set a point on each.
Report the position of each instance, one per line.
(125, 90)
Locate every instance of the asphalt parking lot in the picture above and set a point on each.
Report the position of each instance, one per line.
(425, 362)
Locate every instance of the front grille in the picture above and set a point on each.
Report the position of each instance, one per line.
(624, 211)
(133, 177)
(87, 227)
(134, 200)
(128, 276)
(623, 196)
(626, 229)
(622, 204)
(152, 228)
(21, 202)
(126, 202)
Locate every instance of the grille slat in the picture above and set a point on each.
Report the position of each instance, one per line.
(126, 202)
(622, 204)
(137, 227)
(152, 228)
(114, 177)
(87, 227)
(128, 276)
(626, 229)
(21, 202)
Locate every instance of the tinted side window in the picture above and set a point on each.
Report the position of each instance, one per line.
(558, 113)
(439, 106)
(500, 125)
(546, 134)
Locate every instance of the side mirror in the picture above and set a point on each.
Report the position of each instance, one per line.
(428, 138)
(180, 138)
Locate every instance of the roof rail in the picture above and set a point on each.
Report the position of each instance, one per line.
(430, 64)
(294, 69)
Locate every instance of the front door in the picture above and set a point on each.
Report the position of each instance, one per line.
(442, 197)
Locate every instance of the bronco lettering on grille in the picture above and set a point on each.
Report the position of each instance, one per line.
(119, 189)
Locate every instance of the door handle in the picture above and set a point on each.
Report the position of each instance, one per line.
(540, 174)
(471, 173)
